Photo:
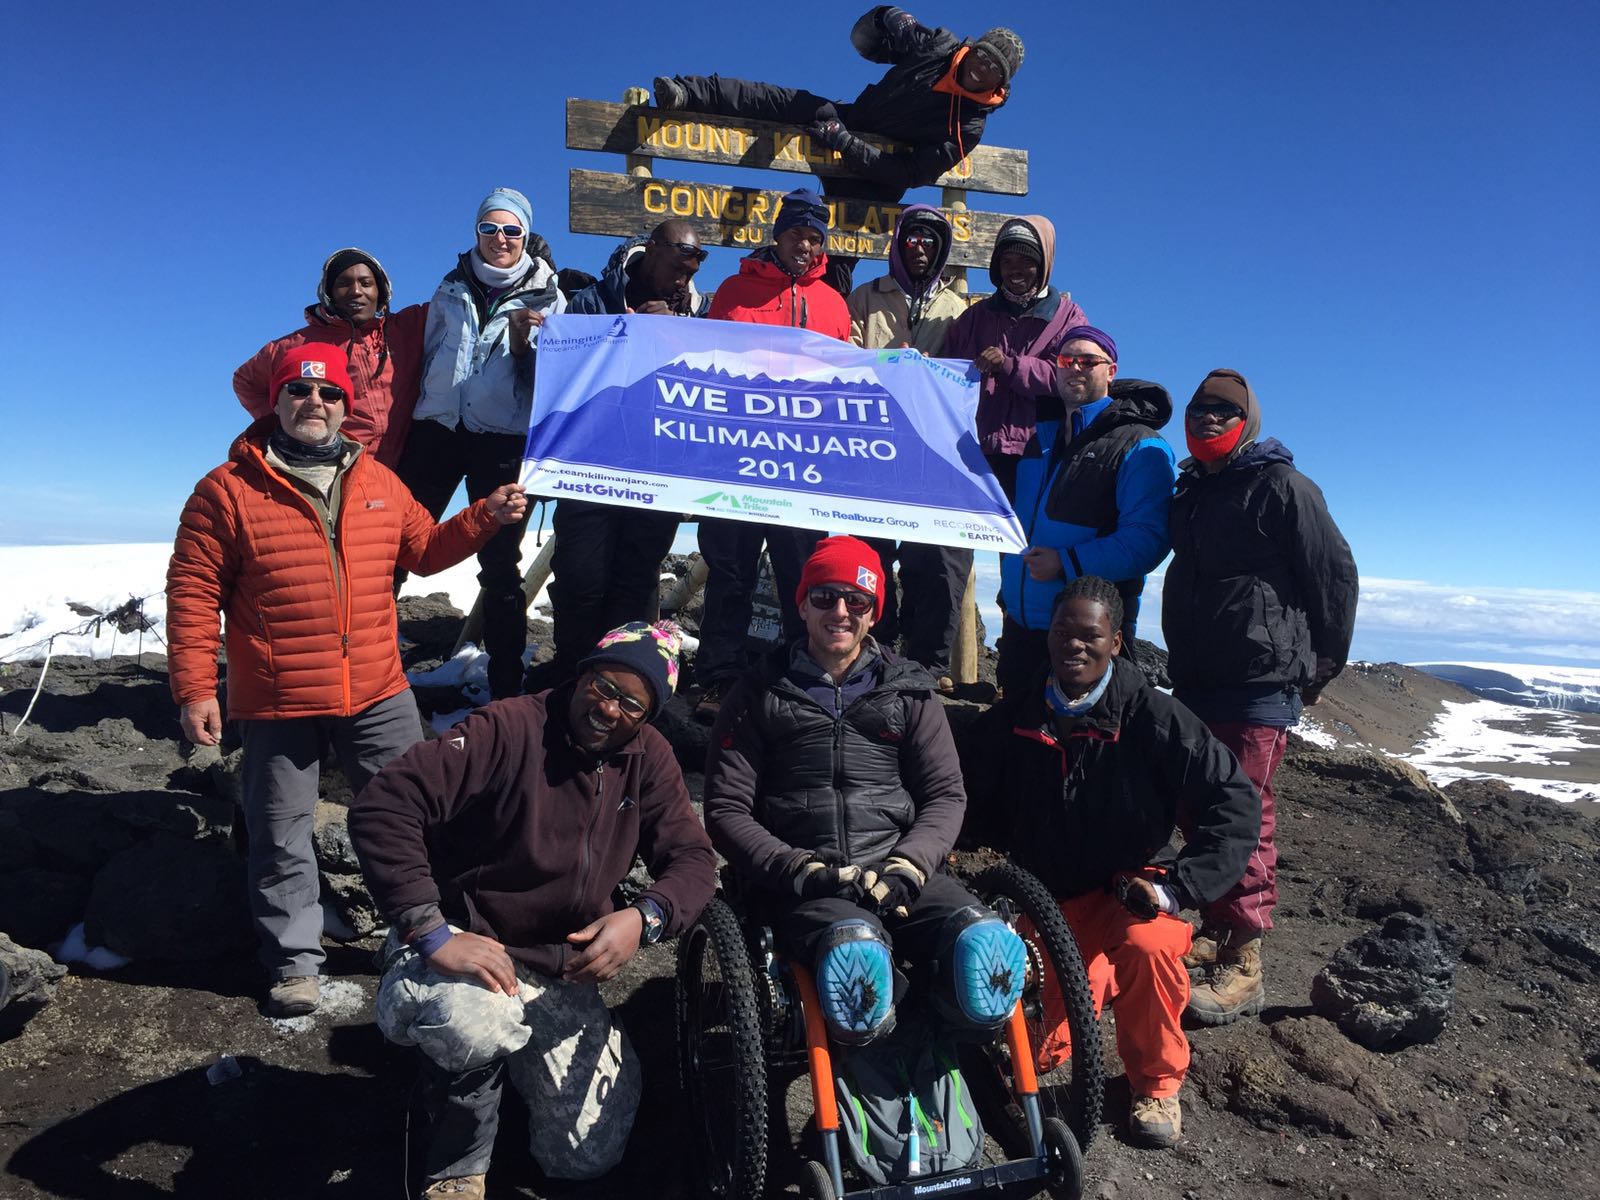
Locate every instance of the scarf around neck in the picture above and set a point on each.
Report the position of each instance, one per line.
(499, 278)
(1064, 706)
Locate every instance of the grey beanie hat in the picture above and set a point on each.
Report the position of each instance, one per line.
(1005, 48)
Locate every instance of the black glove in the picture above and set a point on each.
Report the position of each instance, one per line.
(831, 134)
(822, 873)
(891, 887)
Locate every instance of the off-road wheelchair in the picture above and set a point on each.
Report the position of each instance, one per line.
(749, 1019)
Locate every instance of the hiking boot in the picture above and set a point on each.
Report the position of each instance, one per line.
(466, 1187)
(1155, 1123)
(710, 705)
(669, 92)
(294, 997)
(1202, 951)
(1233, 986)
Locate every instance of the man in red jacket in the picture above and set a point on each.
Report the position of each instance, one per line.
(384, 350)
(295, 539)
(494, 852)
(780, 284)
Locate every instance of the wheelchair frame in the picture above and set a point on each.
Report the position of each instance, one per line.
(763, 1011)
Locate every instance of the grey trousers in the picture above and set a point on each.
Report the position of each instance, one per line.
(279, 774)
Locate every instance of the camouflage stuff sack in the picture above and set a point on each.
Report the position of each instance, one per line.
(904, 1109)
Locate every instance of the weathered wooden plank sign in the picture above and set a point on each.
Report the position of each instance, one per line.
(734, 141)
(724, 215)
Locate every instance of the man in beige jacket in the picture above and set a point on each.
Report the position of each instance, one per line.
(914, 305)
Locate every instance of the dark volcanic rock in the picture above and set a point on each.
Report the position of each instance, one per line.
(170, 898)
(331, 837)
(27, 977)
(38, 906)
(1390, 986)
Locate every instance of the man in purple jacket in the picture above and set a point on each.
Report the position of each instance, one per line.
(1011, 338)
(494, 851)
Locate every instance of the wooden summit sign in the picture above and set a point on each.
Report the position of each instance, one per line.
(631, 205)
(736, 142)
(723, 215)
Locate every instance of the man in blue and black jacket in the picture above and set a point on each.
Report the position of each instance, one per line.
(1093, 493)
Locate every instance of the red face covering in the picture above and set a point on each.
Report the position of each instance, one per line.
(1211, 449)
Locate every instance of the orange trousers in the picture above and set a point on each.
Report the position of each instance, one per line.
(1136, 963)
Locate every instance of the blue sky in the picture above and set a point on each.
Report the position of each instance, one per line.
(1383, 214)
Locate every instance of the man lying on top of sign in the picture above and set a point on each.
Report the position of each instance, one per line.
(935, 98)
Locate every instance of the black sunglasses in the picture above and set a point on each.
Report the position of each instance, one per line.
(855, 603)
(300, 389)
(687, 249)
(1220, 409)
(489, 229)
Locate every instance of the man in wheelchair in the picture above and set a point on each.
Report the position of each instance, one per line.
(1082, 779)
(834, 790)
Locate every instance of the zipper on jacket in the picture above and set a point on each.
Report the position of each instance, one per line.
(588, 836)
(838, 769)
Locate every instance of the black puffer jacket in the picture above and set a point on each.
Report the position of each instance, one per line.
(786, 775)
(940, 128)
(1106, 798)
(609, 293)
(1261, 581)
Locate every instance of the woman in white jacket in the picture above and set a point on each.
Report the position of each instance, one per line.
(471, 421)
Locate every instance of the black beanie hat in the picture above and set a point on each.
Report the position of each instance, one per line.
(341, 261)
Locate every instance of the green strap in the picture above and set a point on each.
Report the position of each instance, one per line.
(861, 1120)
(955, 1082)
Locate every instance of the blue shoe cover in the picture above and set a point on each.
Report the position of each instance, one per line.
(855, 981)
(990, 963)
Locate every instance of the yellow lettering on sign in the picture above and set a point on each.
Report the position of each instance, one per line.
(961, 226)
(758, 208)
(733, 207)
(891, 214)
(681, 201)
(873, 223)
(709, 202)
(647, 129)
(963, 169)
(655, 198)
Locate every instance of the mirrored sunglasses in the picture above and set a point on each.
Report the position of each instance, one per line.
(489, 229)
(855, 603)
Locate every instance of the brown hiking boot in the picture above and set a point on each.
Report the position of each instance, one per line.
(294, 997)
(1202, 951)
(1156, 1124)
(1233, 986)
(466, 1187)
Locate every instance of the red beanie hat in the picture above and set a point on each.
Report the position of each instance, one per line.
(320, 361)
(844, 562)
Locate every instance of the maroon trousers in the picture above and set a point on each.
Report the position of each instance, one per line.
(1248, 905)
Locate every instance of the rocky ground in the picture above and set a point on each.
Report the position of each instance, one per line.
(162, 1077)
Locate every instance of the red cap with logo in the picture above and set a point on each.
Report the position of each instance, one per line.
(315, 362)
(844, 562)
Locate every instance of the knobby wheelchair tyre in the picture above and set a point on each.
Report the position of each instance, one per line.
(1073, 1092)
(721, 1057)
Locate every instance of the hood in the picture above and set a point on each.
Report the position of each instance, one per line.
(928, 217)
(614, 278)
(1139, 399)
(385, 291)
(1041, 228)
(1236, 388)
(763, 264)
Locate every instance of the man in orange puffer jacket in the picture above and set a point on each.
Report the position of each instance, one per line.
(295, 539)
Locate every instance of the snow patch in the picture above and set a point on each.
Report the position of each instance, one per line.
(1475, 731)
(341, 998)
